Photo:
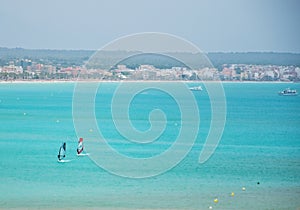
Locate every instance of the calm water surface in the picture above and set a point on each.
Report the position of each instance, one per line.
(260, 144)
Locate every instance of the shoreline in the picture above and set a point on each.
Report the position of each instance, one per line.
(137, 81)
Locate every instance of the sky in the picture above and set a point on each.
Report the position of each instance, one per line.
(212, 25)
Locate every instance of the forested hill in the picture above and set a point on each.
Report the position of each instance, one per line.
(63, 57)
(78, 57)
(258, 58)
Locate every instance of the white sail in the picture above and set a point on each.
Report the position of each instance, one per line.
(80, 146)
(62, 152)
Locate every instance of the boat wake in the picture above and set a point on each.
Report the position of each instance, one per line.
(83, 154)
(64, 161)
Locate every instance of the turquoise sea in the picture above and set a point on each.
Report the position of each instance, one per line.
(259, 151)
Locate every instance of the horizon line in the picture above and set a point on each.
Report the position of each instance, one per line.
(206, 52)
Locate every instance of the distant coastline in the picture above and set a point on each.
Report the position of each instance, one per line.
(134, 81)
(17, 64)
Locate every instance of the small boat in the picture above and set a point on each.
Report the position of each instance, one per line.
(80, 148)
(196, 88)
(62, 153)
(288, 92)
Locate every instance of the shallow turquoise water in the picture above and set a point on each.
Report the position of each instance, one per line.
(260, 143)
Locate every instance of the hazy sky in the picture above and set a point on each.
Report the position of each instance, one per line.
(213, 25)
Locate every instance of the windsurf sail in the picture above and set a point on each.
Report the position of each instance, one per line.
(62, 151)
(80, 146)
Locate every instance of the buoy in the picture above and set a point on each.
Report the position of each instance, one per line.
(216, 200)
(258, 183)
(210, 207)
(243, 188)
(232, 194)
